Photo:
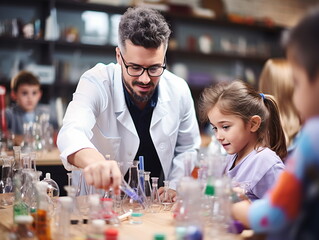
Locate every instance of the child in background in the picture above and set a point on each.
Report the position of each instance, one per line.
(291, 209)
(247, 124)
(276, 79)
(26, 92)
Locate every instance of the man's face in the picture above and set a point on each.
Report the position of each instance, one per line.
(141, 88)
(28, 96)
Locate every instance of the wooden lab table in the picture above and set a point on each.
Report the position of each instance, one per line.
(152, 223)
(49, 158)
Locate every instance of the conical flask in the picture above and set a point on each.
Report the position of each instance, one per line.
(156, 203)
(132, 202)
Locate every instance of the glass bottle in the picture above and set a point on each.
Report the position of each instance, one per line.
(24, 229)
(19, 206)
(63, 218)
(28, 138)
(188, 218)
(156, 202)
(28, 190)
(95, 208)
(77, 213)
(42, 221)
(208, 200)
(33, 158)
(167, 200)
(109, 216)
(17, 165)
(6, 185)
(147, 188)
(133, 176)
(221, 215)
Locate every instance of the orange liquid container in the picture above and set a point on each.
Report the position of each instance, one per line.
(42, 225)
(195, 172)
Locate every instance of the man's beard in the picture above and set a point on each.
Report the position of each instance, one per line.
(134, 95)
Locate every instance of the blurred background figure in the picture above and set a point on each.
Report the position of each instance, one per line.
(26, 117)
(276, 79)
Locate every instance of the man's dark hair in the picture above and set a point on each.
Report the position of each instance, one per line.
(143, 27)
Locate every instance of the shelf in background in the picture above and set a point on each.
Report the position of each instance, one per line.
(81, 5)
(63, 45)
(22, 40)
(224, 23)
(216, 55)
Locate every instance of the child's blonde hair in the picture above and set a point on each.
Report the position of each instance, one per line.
(239, 98)
(276, 79)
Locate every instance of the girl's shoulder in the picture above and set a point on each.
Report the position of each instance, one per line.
(267, 156)
(266, 152)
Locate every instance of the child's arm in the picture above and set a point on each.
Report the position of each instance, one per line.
(273, 211)
(282, 204)
(240, 212)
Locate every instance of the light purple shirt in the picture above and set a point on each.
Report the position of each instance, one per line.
(259, 169)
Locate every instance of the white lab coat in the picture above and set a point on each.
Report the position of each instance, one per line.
(98, 117)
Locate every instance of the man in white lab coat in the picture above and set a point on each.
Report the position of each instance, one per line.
(132, 108)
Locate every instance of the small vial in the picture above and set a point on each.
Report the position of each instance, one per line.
(136, 218)
(24, 230)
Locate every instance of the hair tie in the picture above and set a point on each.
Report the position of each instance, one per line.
(262, 96)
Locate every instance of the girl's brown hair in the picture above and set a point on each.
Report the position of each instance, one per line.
(240, 99)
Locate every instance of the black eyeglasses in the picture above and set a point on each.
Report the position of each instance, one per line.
(137, 70)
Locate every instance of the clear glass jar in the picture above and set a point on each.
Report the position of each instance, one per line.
(24, 229)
